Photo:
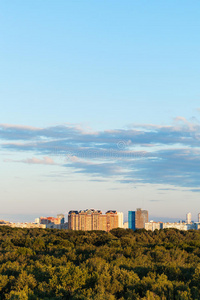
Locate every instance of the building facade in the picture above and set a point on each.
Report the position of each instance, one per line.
(137, 219)
(131, 220)
(61, 217)
(49, 220)
(188, 218)
(153, 225)
(176, 225)
(125, 225)
(53, 223)
(120, 219)
(91, 219)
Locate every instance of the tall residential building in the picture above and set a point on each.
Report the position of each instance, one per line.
(112, 220)
(188, 218)
(198, 218)
(91, 219)
(120, 219)
(131, 220)
(137, 219)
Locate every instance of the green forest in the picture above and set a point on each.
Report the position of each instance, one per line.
(122, 264)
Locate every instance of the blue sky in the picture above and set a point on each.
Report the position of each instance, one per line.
(99, 106)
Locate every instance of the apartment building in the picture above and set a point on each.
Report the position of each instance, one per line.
(91, 219)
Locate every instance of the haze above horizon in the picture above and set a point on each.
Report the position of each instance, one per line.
(100, 106)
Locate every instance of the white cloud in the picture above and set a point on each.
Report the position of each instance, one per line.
(146, 153)
(44, 161)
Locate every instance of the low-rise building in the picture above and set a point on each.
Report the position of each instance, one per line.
(52, 222)
(153, 225)
(176, 225)
(125, 225)
(22, 225)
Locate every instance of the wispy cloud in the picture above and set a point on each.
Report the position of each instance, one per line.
(142, 153)
(44, 161)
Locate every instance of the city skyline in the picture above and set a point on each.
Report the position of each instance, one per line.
(100, 107)
(126, 217)
(95, 220)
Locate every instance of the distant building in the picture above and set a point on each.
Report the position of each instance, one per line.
(53, 223)
(21, 225)
(120, 219)
(91, 219)
(6, 223)
(153, 225)
(198, 218)
(62, 218)
(111, 220)
(131, 220)
(137, 219)
(188, 218)
(197, 225)
(125, 225)
(179, 225)
(50, 220)
(192, 226)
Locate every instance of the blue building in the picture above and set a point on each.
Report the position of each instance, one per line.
(137, 219)
(131, 220)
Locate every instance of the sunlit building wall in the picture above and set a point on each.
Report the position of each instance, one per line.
(120, 219)
(91, 219)
(188, 218)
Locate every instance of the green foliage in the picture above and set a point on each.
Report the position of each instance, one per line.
(38, 264)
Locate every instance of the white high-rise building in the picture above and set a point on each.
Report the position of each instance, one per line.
(188, 218)
(120, 219)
